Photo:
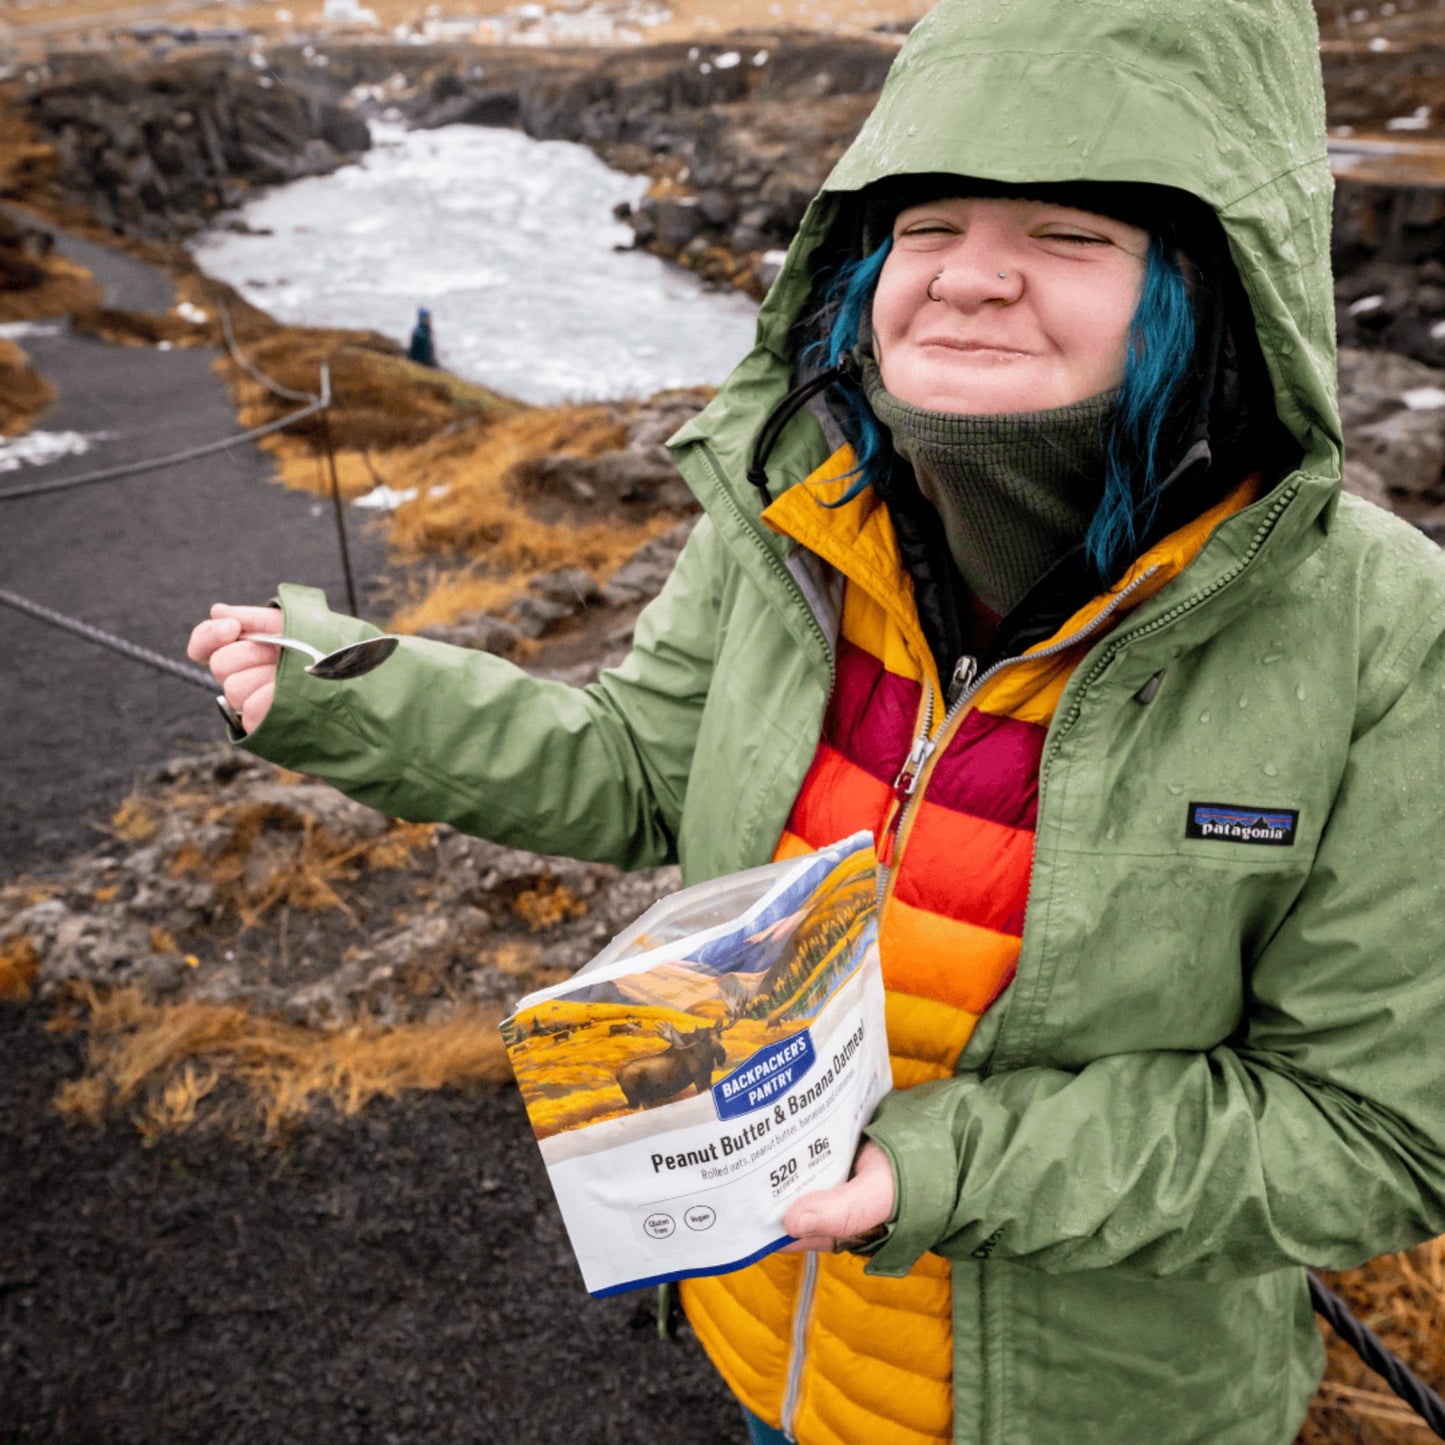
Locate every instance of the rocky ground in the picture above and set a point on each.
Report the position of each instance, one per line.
(260, 1175)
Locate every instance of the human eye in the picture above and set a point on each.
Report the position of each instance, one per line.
(1070, 236)
(925, 227)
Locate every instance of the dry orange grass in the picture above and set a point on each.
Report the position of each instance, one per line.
(380, 400)
(547, 905)
(137, 820)
(24, 393)
(162, 1061)
(303, 868)
(67, 288)
(19, 963)
(453, 444)
(464, 500)
(466, 504)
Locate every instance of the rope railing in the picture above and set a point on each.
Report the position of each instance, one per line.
(133, 650)
(274, 386)
(156, 464)
(314, 404)
(1424, 1401)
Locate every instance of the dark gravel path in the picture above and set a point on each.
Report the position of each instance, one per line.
(403, 1277)
(142, 557)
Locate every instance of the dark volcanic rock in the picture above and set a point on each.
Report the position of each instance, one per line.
(155, 152)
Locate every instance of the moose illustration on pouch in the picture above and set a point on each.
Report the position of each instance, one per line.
(688, 1060)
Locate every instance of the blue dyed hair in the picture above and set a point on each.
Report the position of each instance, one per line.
(848, 298)
(1160, 348)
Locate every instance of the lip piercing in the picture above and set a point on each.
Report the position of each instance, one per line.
(1001, 275)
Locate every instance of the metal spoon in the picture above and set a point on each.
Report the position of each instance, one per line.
(353, 660)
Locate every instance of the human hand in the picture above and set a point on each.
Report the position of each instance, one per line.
(245, 670)
(828, 1218)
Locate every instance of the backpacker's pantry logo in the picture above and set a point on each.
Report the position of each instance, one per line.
(1230, 823)
(765, 1076)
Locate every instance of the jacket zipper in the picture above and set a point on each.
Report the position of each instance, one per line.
(964, 686)
(798, 1349)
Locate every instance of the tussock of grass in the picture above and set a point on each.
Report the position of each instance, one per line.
(165, 1061)
(66, 289)
(380, 400)
(137, 820)
(138, 328)
(19, 963)
(301, 868)
(464, 500)
(24, 393)
(547, 905)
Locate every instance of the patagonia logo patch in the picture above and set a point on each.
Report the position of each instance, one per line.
(1231, 823)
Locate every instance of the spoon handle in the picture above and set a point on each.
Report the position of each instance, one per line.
(276, 640)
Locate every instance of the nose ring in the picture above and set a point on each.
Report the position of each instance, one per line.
(928, 290)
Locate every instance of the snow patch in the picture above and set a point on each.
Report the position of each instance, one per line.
(40, 448)
(1424, 398)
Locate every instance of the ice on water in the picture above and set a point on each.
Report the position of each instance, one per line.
(510, 242)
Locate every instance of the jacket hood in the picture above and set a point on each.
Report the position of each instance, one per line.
(1222, 99)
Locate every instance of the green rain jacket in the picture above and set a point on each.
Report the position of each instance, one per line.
(1220, 1060)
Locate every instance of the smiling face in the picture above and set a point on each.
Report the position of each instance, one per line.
(1052, 330)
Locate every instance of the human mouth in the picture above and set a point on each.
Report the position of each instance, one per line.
(982, 348)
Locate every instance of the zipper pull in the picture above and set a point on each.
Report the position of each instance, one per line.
(904, 786)
(907, 779)
(964, 672)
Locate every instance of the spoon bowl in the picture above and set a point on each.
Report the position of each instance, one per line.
(355, 659)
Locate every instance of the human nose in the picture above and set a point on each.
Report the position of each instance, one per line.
(976, 270)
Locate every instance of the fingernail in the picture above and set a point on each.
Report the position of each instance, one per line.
(803, 1223)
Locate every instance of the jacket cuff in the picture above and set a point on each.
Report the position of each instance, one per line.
(300, 698)
(925, 1172)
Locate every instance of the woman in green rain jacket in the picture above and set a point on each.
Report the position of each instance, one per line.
(1222, 1057)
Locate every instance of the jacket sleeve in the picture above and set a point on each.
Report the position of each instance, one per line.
(447, 734)
(1317, 1136)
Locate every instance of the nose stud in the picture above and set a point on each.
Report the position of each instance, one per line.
(938, 276)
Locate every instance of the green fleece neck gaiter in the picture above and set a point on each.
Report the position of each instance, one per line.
(1014, 492)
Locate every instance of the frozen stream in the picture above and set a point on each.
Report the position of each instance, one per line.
(511, 244)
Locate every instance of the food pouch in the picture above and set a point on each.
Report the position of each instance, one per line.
(717, 1060)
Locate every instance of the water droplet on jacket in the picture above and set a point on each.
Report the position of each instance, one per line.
(1204, 716)
(1299, 692)
(1244, 702)
(1111, 832)
(1175, 788)
(1272, 657)
(1270, 771)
